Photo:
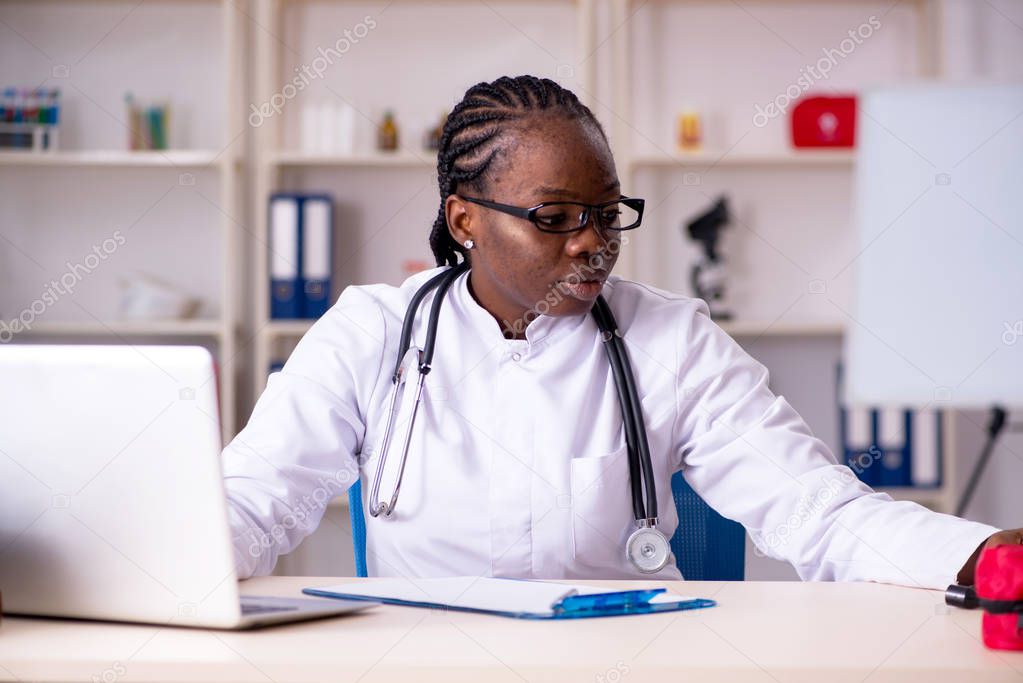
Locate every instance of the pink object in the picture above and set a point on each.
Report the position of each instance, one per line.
(999, 576)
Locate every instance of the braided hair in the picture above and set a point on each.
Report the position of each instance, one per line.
(473, 136)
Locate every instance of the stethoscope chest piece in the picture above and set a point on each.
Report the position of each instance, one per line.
(648, 549)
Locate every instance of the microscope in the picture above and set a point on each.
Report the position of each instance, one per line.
(708, 274)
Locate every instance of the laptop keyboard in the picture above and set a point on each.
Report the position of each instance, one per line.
(250, 608)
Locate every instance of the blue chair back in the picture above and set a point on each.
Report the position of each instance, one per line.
(707, 546)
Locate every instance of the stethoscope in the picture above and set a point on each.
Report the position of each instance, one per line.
(647, 548)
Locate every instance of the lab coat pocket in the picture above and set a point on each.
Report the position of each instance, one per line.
(601, 509)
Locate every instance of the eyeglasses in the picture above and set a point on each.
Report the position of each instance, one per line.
(625, 213)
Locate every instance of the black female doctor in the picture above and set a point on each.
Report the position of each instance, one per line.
(516, 464)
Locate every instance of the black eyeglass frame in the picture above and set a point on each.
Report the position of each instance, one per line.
(529, 214)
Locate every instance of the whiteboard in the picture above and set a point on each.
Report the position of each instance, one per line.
(937, 317)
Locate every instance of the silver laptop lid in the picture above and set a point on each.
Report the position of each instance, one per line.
(111, 494)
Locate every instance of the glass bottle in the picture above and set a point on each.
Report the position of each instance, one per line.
(387, 133)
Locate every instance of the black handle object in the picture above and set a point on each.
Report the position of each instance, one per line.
(961, 596)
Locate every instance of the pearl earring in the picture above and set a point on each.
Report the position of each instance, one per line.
(468, 244)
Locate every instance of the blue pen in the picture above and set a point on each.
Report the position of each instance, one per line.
(602, 601)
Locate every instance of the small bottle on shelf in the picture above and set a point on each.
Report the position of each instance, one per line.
(387, 133)
(690, 133)
(433, 135)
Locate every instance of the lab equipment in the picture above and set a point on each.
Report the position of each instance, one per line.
(647, 548)
(690, 131)
(327, 128)
(145, 297)
(147, 124)
(28, 118)
(431, 139)
(708, 275)
(387, 133)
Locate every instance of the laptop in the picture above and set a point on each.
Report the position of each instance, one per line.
(112, 501)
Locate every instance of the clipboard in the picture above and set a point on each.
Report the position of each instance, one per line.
(514, 598)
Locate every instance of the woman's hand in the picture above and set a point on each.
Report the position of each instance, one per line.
(1009, 537)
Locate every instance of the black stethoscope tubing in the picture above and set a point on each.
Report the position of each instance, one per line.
(443, 282)
(640, 467)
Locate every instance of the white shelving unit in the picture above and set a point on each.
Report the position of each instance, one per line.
(927, 14)
(272, 160)
(220, 333)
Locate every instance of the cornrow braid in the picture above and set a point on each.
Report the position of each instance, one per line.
(472, 137)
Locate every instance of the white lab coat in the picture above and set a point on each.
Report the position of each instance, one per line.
(518, 465)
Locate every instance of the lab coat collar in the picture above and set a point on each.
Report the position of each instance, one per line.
(543, 330)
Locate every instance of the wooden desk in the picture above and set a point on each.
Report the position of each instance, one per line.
(761, 631)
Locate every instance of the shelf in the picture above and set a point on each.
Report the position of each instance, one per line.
(171, 158)
(287, 328)
(743, 328)
(402, 159)
(156, 328)
(809, 157)
(427, 158)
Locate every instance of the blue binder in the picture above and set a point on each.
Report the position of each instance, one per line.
(896, 455)
(317, 246)
(569, 603)
(301, 246)
(926, 442)
(901, 447)
(285, 256)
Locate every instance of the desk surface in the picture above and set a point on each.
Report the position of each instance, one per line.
(760, 631)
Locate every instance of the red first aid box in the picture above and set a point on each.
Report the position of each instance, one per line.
(824, 122)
